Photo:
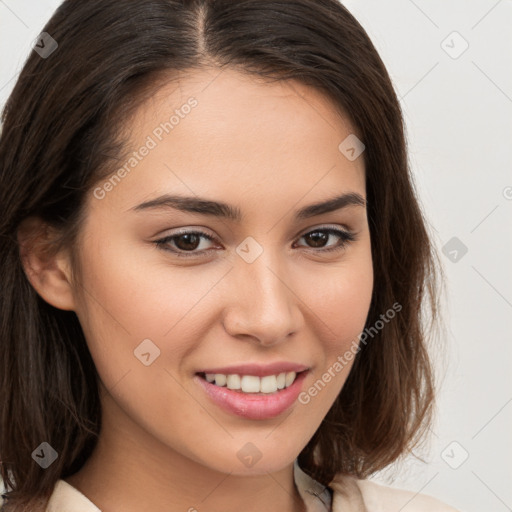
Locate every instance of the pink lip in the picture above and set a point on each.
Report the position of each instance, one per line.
(257, 370)
(253, 406)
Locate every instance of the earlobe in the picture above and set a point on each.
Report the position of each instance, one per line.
(48, 271)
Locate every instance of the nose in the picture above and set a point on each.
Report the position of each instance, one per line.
(264, 307)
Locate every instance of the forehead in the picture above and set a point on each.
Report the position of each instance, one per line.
(228, 99)
(215, 132)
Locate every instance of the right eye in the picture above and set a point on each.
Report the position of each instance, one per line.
(185, 241)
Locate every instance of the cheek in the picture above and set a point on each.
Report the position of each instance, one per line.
(125, 301)
(339, 302)
(115, 310)
(341, 297)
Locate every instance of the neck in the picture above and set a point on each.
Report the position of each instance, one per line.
(132, 471)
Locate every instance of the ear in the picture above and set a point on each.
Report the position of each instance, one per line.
(48, 271)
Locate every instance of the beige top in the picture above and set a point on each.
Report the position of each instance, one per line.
(344, 494)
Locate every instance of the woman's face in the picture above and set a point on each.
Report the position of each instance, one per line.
(271, 291)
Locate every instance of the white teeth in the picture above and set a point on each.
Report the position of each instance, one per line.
(233, 382)
(290, 377)
(251, 383)
(268, 384)
(220, 379)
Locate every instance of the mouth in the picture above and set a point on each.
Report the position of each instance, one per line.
(250, 396)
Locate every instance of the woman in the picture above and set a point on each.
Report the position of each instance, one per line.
(214, 264)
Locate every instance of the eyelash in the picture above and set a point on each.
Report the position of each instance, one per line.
(345, 236)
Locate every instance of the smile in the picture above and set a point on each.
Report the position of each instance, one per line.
(252, 383)
(257, 398)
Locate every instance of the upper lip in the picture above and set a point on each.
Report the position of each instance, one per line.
(258, 370)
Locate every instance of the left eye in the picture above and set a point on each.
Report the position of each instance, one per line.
(188, 241)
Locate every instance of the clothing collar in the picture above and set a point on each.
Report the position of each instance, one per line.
(317, 497)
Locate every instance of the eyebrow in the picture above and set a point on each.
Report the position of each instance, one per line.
(203, 206)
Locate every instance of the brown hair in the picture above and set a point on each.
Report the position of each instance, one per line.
(61, 135)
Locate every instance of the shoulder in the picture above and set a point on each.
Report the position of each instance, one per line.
(69, 498)
(390, 498)
(64, 497)
(359, 495)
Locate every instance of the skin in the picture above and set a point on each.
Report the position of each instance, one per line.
(269, 149)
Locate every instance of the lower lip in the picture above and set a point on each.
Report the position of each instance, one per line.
(253, 406)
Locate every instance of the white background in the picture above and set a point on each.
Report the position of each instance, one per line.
(458, 113)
